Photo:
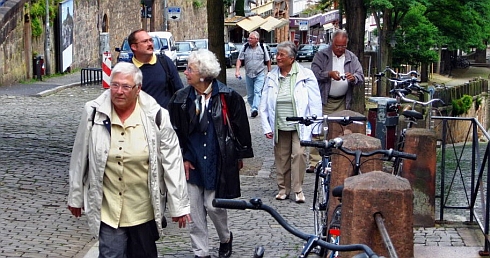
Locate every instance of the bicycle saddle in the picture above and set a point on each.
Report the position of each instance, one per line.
(337, 191)
(413, 114)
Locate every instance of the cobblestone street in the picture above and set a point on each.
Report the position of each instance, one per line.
(36, 135)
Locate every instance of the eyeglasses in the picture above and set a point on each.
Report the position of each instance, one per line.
(340, 47)
(146, 41)
(252, 38)
(124, 87)
(189, 69)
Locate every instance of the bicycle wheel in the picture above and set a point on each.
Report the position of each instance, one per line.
(320, 205)
(333, 235)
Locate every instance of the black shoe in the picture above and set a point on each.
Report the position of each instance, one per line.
(254, 113)
(310, 170)
(225, 248)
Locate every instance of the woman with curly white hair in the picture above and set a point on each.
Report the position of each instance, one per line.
(205, 116)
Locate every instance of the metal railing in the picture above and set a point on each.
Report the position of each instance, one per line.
(461, 170)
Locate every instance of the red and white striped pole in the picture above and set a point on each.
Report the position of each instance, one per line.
(106, 69)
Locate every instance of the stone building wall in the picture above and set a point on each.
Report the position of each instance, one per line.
(12, 52)
(122, 17)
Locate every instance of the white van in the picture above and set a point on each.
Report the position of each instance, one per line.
(168, 43)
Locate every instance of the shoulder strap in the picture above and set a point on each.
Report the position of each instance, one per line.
(224, 108)
(164, 64)
(245, 47)
(158, 118)
(263, 49)
(93, 117)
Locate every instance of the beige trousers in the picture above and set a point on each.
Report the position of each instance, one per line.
(290, 159)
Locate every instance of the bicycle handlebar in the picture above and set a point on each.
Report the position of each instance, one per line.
(256, 204)
(401, 94)
(343, 120)
(337, 143)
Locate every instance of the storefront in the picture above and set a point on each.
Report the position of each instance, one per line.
(311, 30)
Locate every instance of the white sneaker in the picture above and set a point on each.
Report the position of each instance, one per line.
(300, 197)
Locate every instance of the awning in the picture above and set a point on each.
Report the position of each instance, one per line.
(251, 23)
(328, 26)
(273, 23)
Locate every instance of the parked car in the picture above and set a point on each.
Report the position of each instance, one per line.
(321, 46)
(239, 46)
(168, 43)
(273, 52)
(306, 52)
(231, 54)
(125, 53)
(184, 48)
(200, 43)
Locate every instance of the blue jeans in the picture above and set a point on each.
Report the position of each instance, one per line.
(129, 242)
(254, 90)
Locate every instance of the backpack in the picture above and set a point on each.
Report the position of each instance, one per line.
(170, 81)
(245, 46)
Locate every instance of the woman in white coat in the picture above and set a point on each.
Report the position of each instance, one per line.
(125, 163)
(289, 90)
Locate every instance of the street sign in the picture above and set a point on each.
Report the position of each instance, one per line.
(303, 25)
(173, 13)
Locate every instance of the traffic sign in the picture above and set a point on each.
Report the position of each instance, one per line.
(303, 25)
(173, 13)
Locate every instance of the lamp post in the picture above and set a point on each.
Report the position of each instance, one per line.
(46, 42)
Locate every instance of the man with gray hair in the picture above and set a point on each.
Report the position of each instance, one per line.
(338, 71)
(255, 58)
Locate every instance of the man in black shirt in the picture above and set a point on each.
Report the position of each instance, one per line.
(160, 76)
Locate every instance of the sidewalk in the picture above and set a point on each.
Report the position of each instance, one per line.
(252, 228)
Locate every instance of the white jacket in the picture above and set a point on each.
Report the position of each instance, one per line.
(306, 96)
(166, 171)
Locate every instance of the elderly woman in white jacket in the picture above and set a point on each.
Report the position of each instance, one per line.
(289, 90)
(125, 159)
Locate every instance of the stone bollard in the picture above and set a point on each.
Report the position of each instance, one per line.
(421, 173)
(369, 193)
(342, 167)
(336, 130)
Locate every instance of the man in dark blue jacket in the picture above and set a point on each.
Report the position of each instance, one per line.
(160, 76)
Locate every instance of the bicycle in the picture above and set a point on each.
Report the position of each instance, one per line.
(412, 116)
(312, 240)
(332, 230)
(321, 194)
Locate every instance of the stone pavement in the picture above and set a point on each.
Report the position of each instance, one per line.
(36, 135)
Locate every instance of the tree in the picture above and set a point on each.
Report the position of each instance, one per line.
(356, 20)
(410, 48)
(216, 33)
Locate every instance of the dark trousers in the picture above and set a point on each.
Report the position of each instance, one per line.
(128, 242)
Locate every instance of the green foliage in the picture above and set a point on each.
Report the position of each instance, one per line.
(462, 105)
(37, 12)
(197, 3)
(464, 24)
(410, 47)
(478, 102)
(239, 7)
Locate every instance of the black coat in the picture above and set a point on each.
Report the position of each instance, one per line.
(184, 120)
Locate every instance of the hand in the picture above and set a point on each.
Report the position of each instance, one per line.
(350, 77)
(269, 135)
(334, 75)
(182, 220)
(237, 74)
(187, 167)
(240, 164)
(77, 212)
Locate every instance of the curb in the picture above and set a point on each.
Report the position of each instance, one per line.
(55, 90)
